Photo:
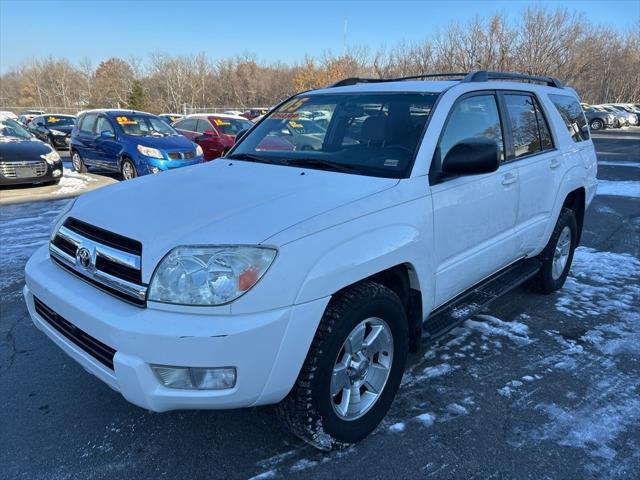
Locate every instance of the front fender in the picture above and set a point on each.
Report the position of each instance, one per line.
(360, 257)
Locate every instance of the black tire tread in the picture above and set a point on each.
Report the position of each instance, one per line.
(297, 409)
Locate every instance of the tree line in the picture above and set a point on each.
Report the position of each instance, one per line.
(601, 63)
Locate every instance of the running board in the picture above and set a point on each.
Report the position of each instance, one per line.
(478, 297)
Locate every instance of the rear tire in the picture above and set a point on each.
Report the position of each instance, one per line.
(128, 169)
(78, 163)
(333, 402)
(557, 255)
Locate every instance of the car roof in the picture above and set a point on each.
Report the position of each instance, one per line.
(217, 115)
(116, 111)
(57, 115)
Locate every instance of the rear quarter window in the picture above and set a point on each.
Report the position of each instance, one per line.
(573, 116)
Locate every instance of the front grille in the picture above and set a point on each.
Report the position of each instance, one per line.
(26, 169)
(113, 263)
(94, 347)
(181, 155)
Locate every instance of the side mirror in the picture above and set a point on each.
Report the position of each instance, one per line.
(471, 157)
(107, 134)
(209, 133)
(240, 134)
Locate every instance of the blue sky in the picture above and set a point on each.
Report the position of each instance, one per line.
(274, 31)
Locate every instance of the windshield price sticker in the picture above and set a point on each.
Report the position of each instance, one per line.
(285, 116)
(53, 119)
(295, 124)
(126, 121)
(219, 122)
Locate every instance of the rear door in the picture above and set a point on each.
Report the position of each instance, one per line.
(540, 165)
(85, 140)
(107, 149)
(474, 215)
(210, 142)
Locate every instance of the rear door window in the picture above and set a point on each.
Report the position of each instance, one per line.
(573, 116)
(87, 123)
(528, 125)
(188, 124)
(203, 125)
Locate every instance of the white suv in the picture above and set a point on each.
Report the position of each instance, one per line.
(303, 274)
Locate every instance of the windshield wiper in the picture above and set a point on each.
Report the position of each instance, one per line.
(320, 164)
(249, 157)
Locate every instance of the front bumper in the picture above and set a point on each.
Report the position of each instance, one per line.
(144, 164)
(266, 348)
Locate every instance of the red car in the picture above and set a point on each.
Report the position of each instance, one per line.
(215, 133)
(254, 113)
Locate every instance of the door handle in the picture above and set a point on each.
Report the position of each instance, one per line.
(509, 178)
(554, 163)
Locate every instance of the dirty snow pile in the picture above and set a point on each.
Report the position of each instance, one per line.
(72, 181)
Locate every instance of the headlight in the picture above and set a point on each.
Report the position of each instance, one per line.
(66, 209)
(198, 150)
(57, 132)
(51, 157)
(150, 152)
(212, 275)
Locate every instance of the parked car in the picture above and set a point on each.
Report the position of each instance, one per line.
(24, 159)
(254, 112)
(599, 119)
(306, 277)
(632, 117)
(235, 113)
(214, 132)
(170, 118)
(130, 142)
(54, 129)
(33, 112)
(621, 118)
(26, 118)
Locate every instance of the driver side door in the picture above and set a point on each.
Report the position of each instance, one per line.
(474, 215)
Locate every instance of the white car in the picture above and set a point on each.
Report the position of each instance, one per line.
(7, 114)
(305, 277)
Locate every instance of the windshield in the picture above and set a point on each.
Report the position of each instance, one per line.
(10, 128)
(53, 121)
(231, 126)
(374, 134)
(144, 126)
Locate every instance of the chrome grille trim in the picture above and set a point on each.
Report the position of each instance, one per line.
(8, 169)
(116, 256)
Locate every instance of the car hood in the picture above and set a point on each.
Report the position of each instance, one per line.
(16, 149)
(221, 202)
(165, 143)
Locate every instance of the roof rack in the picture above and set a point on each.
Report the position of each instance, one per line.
(485, 76)
(477, 76)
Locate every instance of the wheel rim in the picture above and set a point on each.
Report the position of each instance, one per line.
(561, 253)
(77, 163)
(127, 171)
(596, 124)
(362, 369)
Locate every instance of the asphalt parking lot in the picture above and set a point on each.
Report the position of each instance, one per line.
(539, 387)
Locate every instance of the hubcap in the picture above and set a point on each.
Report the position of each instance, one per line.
(362, 368)
(127, 171)
(76, 162)
(561, 253)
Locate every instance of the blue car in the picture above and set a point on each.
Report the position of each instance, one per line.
(130, 142)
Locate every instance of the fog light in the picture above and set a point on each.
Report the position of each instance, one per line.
(154, 169)
(196, 378)
(57, 172)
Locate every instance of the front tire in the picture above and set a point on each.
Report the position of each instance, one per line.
(353, 368)
(558, 254)
(128, 169)
(78, 163)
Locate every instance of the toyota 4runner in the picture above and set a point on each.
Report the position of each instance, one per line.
(303, 274)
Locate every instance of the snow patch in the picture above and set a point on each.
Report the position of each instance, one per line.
(303, 464)
(426, 419)
(627, 188)
(397, 427)
(515, 331)
(457, 409)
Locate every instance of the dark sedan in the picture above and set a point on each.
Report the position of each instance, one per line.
(53, 129)
(24, 159)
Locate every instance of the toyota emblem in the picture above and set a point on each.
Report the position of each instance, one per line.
(84, 257)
